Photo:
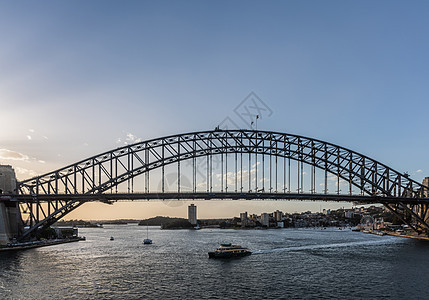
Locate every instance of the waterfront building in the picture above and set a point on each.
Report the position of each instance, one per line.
(349, 213)
(426, 183)
(64, 232)
(253, 217)
(378, 223)
(278, 216)
(192, 214)
(367, 222)
(265, 219)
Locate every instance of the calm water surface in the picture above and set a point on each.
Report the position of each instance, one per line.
(286, 264)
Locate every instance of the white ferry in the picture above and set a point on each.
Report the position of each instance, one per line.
(228, 250)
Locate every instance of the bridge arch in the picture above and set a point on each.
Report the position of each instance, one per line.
(98, 177)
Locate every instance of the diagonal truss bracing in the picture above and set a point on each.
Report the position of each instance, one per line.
(92, 179)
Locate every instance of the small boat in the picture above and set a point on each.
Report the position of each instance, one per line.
(228, 250)
(147, 241)
(112, 238)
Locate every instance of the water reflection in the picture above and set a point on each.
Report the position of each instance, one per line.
(285, 264)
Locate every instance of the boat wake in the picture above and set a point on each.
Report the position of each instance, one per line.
(387, 240)
(3, 288)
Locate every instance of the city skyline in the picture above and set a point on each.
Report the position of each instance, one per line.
(77, 82)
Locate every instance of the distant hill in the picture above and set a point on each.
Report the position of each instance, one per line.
(178, 224)
(159, 221)
(116, 222)
(73, 223)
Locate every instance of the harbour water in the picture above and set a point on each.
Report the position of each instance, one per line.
(285, 264)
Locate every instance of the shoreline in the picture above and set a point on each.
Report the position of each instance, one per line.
(423, 238)
(30, 245)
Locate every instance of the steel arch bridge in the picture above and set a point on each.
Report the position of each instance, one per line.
(222, 164)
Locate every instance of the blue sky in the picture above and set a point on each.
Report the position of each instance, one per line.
(81, 77)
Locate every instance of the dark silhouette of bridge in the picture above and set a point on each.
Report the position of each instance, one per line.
(222, 164)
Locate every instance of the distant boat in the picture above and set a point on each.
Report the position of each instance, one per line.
(147, 241)
(112, 238)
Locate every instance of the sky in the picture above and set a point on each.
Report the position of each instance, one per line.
(78, 78)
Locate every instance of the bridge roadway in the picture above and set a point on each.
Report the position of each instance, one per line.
(106, 197)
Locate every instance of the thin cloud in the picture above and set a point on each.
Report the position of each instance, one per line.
(7, 154)
(332, 177)
(24, 172)
(128, 139)
(131, 138)
(12, 155)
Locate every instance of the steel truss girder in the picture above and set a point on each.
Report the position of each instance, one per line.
(104, 172)
(36, 223)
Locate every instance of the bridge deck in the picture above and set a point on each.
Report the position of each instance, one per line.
(219, 196)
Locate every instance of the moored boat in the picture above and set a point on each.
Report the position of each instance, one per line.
(147, 241)
(229, 250)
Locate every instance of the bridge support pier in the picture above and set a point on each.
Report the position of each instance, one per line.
(424, 208)
(423, 213)
(10, 218)
(10, 214)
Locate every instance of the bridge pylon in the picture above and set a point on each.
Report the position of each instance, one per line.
(10, 215)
